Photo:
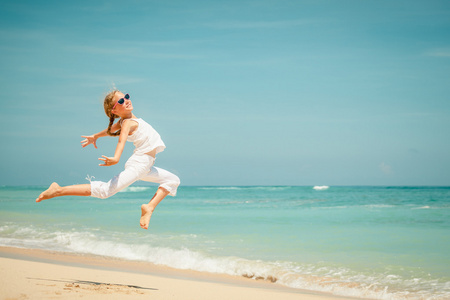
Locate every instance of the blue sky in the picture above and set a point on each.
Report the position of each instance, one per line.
(242, 92)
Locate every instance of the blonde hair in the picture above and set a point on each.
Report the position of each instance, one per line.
(108, 104)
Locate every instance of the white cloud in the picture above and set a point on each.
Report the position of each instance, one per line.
(385, 168)
(441, 52)
(234, 24)
(163, 50)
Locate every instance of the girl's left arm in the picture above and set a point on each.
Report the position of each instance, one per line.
(125, 130)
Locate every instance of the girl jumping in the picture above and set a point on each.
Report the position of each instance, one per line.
(138, 167)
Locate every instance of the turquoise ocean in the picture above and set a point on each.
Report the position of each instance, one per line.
(366, 242)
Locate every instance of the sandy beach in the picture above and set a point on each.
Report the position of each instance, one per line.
(36, 274)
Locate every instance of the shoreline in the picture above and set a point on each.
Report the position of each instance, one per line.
(40, 274)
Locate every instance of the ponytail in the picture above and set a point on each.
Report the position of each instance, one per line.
(108, 105)
(111, 122)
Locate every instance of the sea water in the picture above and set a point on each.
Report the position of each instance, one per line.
(367, 242)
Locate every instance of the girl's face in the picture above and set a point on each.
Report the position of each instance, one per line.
(121, 109)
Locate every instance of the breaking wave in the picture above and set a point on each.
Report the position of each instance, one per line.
(315, 277)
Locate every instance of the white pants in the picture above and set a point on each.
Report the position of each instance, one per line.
(138, 167)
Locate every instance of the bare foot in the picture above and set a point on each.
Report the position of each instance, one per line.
(147, 211)
(49, 193)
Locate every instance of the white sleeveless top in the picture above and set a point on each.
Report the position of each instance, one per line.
(145, 138)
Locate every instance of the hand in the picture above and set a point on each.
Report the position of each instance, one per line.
(108, 161)
(88, 140)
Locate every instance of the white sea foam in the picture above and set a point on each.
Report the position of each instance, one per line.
(221, 188)
(321, 187)
(267, 188)
(422, 207)
(378, 206)
(135, 189)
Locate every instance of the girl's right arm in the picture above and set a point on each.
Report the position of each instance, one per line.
(92, 139)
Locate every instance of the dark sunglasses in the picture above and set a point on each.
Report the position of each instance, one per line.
(122, 100)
